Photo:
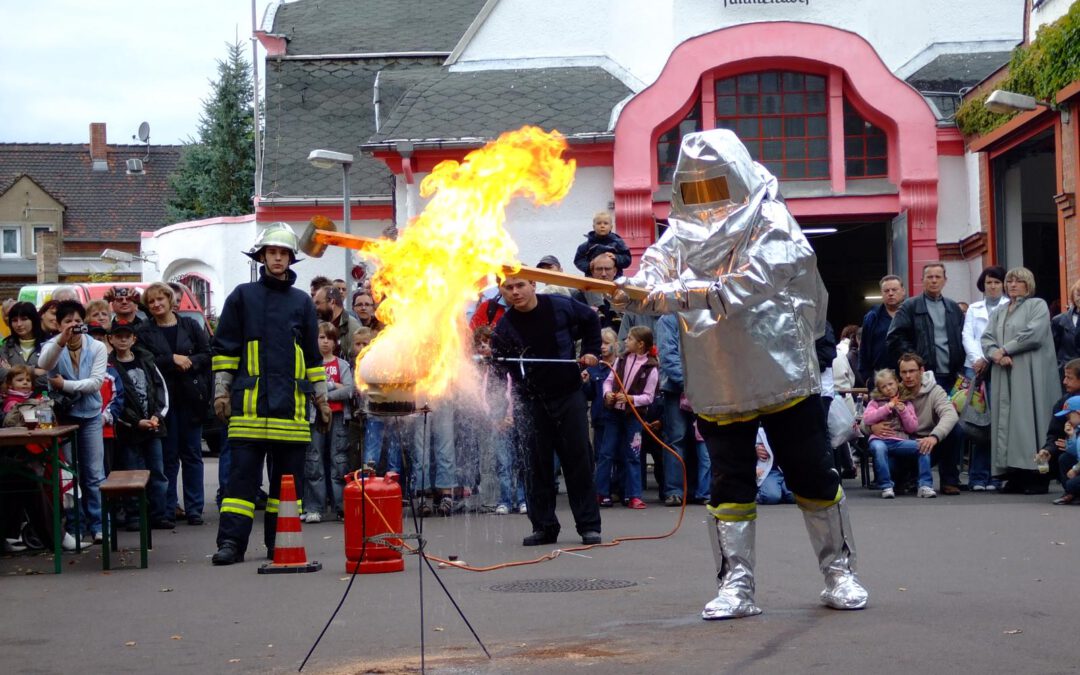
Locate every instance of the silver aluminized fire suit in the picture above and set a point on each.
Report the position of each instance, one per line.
(743, 280)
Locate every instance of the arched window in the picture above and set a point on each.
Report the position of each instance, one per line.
(667, 146)
(783, 119)
(198, 286)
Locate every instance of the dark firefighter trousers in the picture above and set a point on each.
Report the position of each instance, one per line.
(245, 476)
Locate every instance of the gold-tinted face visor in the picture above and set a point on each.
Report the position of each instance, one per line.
(705, 191)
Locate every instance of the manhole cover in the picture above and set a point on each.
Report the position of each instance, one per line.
(561, 585)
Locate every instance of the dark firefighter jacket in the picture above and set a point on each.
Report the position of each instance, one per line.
(268, 337)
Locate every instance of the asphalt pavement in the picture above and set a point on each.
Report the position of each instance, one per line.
(980, 582)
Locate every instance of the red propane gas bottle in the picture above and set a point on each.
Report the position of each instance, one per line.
(372, 507)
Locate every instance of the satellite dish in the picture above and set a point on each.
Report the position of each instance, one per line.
(144, 132)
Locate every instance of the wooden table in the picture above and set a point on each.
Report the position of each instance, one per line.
(20, 437)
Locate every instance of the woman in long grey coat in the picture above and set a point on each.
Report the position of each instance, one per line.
(1023, 382)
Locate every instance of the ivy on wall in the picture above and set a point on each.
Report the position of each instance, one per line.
(1039, 69)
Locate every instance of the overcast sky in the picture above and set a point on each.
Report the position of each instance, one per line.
(67, 63)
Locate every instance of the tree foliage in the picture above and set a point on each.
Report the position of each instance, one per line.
(1040, 69)
(216, 174)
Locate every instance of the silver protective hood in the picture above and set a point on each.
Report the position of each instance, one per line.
(740, 274)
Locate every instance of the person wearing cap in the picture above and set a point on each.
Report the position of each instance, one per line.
(1070, 459)
(991, 284)
(550, 262)
(125, 304)
(140, 426)
(267, 366)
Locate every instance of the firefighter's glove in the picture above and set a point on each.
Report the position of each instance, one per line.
(324, 411)
(223, 395)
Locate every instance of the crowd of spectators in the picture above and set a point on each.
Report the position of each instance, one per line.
(133, 374)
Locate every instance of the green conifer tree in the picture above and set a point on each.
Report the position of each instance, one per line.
(216, 174)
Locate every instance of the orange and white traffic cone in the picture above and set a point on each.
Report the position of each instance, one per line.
(289, 554)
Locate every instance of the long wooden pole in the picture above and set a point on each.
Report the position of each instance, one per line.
(354, 241)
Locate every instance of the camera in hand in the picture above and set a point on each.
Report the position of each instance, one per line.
(81, 328)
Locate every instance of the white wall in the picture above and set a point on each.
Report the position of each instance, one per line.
(1048, 12)
(215, 250)
(639, 35)
(542, 230)
(953, 222)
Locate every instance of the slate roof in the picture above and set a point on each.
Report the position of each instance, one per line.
(366, 26)
(100, 205)
(320, 104)
(465, 105)
(953, 72)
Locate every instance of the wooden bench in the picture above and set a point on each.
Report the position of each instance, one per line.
(118, 485)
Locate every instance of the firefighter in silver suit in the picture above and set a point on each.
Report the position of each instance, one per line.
(743, 280)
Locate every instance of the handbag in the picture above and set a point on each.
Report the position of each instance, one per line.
(974, 416)
(842, 428)
(958, 395)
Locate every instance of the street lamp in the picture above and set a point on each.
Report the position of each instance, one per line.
(124, 258)
(328, 159)
(1002, 101)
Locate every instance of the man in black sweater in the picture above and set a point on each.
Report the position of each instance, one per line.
(546, 327)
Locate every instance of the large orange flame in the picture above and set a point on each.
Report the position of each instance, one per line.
(428, 275)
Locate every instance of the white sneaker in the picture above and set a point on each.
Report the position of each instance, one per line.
(68, 542)
(990, 487)
(978, 488)
(523, 509)
(927, 492)
(502, 510)
(312, 517)
(888, 493)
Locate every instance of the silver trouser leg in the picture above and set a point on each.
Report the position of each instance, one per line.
(830, 535)
(733, 549)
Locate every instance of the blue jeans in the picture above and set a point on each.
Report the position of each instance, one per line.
(183, 447)
(433, 462)
(882, 448)
(147, 454)
(326, 450)
(773, 490)
(91, 465)
(510, 469)
(617, 441)
(375, 428)
(678, 433)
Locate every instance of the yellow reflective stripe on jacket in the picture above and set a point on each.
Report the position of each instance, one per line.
(220, 362)
(753, 414)
(299, 401)
(733, 512)
(807, 504)
(238, 506)
(316, 374)
(272, 505)
(253, 358)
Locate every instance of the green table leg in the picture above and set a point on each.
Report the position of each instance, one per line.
(106, 540)
(144, 529)
(57, 536)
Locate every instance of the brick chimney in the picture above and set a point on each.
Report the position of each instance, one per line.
(98, 147)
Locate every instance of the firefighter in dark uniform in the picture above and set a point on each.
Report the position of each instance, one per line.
(266, 366)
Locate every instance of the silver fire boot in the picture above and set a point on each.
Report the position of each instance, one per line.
(733, 548)
(830, 535)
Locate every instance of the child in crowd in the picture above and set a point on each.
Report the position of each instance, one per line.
(593, 379)
(1056, 436)
(772, 489)
(890, 403)
(112, 398)
(361, 338)
(498, 406)
(1070, 459)
(602, 240)
(328, 455)
(18, 394)
(638, 374)
(140, 425)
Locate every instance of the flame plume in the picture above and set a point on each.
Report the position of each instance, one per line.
(429, 274)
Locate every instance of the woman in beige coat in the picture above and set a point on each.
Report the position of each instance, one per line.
(1023, 382)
